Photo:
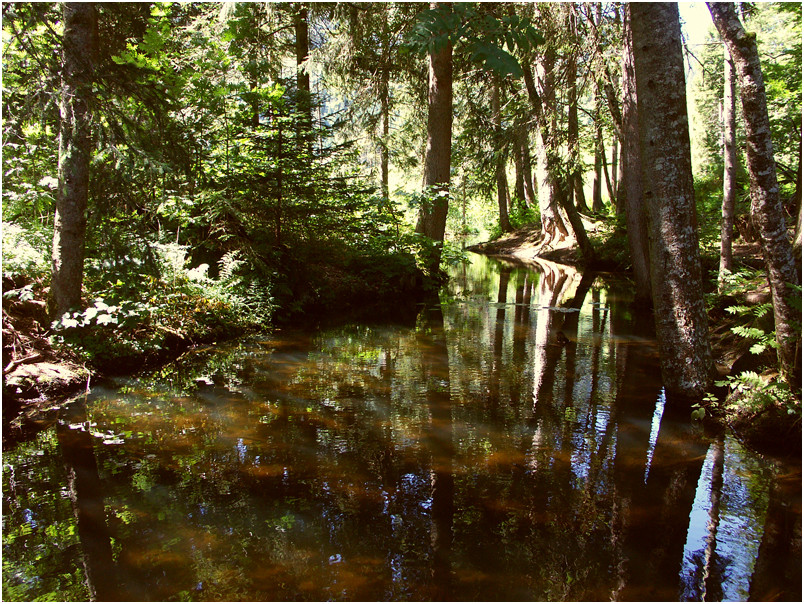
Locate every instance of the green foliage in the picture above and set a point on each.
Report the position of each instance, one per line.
(755, 393)
(610, 240)
(778, 29)
(521, 215)
(143, 313)
(756, 319)
(482, 35)
(755, 314)
(26, 251)
(708, 186)
(740, 281)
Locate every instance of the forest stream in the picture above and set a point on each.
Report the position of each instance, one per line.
(510, 444)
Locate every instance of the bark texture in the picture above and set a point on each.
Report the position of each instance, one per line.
(729, 164)
(679, 311)
(553, 227)
(385, 106)
(558, 189)
(75, 143)
(519, 174)
(433, 216)
(767, 212)
(631, 184)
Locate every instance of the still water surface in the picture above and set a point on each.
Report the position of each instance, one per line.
(510, 444)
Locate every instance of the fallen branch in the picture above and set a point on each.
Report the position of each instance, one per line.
(31, 358)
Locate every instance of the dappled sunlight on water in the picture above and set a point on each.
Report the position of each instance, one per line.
(512, 444)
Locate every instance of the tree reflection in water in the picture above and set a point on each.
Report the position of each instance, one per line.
(509, 445)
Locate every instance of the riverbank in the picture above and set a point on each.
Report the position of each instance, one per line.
(765, 423)
(41, 374)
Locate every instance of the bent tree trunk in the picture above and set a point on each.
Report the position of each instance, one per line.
(554, 170)
(680, 315)
(553, 227)
(69, 229)
(766, 206)
(432, 220)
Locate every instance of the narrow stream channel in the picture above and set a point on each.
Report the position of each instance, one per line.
(512, 444)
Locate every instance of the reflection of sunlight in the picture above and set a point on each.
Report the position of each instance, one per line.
(538, 444)
(241, 450)
(654, 431)
(699, 528)
(726, 527)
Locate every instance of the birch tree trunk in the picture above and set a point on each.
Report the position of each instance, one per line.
(69, 229)
(679, 311)
(766, 206)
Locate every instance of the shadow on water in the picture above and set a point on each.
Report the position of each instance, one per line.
(511, 443)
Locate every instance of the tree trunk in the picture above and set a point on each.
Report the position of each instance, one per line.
(519, 172)
(729, 166)
(609, 182)
(597, 184)
(527, 171)
(75, 146)
(797, 198)
(502, 181)
(680, 314)
(553, 227)
(302, 76)
(631, 183)
(766, 206)
(432, 220)
(86, 492)
(385, 102)
(576, 176)
(385, 107)
(558, 193)
(620, 201)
